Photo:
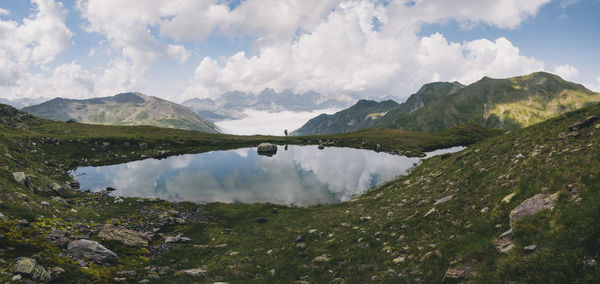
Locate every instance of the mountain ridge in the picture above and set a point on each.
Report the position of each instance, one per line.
(123, 109)
(508, 104)
(230, 105)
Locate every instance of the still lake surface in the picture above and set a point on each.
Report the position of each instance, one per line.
(300, 175)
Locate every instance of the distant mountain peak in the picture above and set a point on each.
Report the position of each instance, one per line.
(130, 108)
(231, 105)
(132, 97)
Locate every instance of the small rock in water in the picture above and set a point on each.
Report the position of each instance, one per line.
(267, 149)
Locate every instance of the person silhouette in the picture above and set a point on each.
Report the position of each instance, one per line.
(285, 132)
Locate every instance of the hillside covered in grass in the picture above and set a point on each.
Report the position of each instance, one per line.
(123, 109)
(510, 103)
(535, 187)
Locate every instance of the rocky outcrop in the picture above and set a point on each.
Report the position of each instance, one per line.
(29, 268)
(583, 123)
(91, 250)
(459, 273)
(504, 243)
(23, 179)
(533, 205)
(126, 236)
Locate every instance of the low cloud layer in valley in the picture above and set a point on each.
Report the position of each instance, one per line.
(268, 123)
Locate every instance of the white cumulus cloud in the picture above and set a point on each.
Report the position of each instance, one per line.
(567, 72)
(331, 46)
(33, 43)
(344, 53)
(596, 86)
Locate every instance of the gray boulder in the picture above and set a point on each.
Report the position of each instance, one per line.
(504, 243)
(583, 123)
(28, 267)
(533, 205)
(91, 250)
(126, 236)
(23, 179)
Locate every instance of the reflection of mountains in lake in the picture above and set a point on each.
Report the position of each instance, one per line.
(302, 175)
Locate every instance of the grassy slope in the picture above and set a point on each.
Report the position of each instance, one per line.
(457, 234)
(123, 109)
(360, 250)
(498, 103)
(363, 114)
(494, 103)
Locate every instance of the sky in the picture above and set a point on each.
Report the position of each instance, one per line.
(182, 49)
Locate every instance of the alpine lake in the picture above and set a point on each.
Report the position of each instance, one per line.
(294, 175)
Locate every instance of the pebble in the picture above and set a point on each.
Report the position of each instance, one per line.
(530, 249)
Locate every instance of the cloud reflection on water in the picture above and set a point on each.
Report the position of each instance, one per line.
(302, 175)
